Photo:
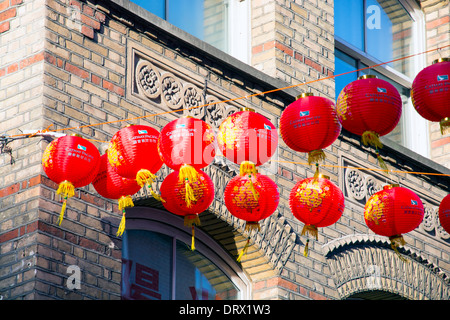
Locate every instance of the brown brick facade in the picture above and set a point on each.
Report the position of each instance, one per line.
(437, 18)
(78, 71)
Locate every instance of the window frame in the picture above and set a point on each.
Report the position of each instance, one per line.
(166, 223)
(237, 18)
(415, 135)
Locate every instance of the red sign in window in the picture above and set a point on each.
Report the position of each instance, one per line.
(146, 282)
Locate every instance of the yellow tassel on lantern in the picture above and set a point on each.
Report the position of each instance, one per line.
(244, 251)
(155, 195)
(445, 125)
(188, 172)
(193, 239)
(251, 186)
(249, 168)
(191, 221)
(252, 225)
(306, 250)
(309, 229)
(66, 190)
(145, 176)
(371, 138)
(316, 174)
(397, 241)
(381, 162)
(189, 175)
(61, 214)
(189, 196)
(316, 156)
(125, 202)
(121, 228)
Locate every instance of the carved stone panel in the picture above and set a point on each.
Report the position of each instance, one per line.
(148, 79)
(160, 85)
(169, 87)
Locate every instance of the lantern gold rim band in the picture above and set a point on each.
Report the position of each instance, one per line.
(390, 186)
(441, 60)
(367, 76)
(76, 135)
(305, 94)
(246, 109)
(252, 225)
(445, 125)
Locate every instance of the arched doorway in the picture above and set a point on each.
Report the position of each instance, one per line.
(365, 267)
(375, 295)
(158, 264)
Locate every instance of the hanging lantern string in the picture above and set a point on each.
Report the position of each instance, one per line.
(23, 135)
(237, 98)
(362, 168)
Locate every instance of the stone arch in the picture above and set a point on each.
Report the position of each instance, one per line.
(366, 263)
(269, 248)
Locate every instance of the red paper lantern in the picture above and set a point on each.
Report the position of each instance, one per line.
(318, 203)
(110, 185)
(133, 153)
(430, 93)
(186, 145)
(251, 197)
(369, 107)
(186, 141)
(393, 211)
(444, 213)
(247, 137)
(187, 202)
(310, 124)
(72, 162)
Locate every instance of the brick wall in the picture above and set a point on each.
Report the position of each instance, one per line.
(437, 23)
(293, 41)
(21, 99)
(86, 76)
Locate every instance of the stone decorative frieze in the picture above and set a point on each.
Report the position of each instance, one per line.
(155, 82)
(148, 79)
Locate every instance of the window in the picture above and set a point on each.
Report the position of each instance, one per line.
(370, 32)
(221, 23)
(158, 264)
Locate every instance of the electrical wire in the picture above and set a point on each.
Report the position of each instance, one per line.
(13, 137)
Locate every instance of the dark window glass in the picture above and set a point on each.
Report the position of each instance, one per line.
(157, 7)
(146, 266)
(349, 21)
(344, 63)
(380, 28)
(204, 19)
(152, 267)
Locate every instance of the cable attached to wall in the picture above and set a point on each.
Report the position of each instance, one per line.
(5, 140)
